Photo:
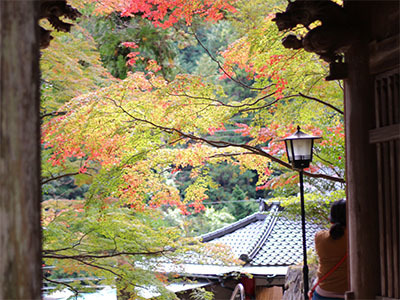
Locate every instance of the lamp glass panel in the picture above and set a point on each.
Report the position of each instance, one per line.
(289, 150)
(302, 149)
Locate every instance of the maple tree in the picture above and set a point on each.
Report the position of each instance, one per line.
(130, 138)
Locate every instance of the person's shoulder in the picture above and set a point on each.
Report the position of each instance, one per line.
(322, 234)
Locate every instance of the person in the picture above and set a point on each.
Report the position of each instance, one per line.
(331, 248)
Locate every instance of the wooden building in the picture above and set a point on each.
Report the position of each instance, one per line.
(360, 41)
(372, 120)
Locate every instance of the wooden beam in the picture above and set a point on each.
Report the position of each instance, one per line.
(384, 55)
(361, 172)
(20, 231)
(384, 134)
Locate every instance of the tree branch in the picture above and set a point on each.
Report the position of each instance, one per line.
(320, 101)
(68, 248)
(292, 96)
(230, 154)
(75, 291)
(328, 162)
(224, 144)
(224, 104)
(260, 107)
(53, 113)
(98, 267)
(44, 181)
(223, 70)
(92, 256)
(254, 150)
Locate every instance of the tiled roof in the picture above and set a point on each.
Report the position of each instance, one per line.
(266, 239)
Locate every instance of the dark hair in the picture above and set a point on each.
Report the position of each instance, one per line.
(338, 219)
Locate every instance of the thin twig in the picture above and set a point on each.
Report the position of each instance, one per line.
(222, 103)
(322, 102)
(68, 248)
(328, 162)
(92, 256)
(75, 291)
(230, 154)
(260, 107)
(99, 267)
(292, 96)
(223, 70)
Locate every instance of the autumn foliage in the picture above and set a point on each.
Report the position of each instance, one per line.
(146, 126)
(166, 13)
(129, 139)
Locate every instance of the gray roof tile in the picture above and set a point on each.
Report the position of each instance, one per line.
(268, 239)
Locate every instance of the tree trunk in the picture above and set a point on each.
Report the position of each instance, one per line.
(20, 232)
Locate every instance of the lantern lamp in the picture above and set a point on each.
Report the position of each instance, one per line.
(299, 149)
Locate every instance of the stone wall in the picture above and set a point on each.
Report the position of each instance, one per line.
(294, 282)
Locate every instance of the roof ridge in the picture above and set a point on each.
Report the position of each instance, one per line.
(266, 233)
(233, 227)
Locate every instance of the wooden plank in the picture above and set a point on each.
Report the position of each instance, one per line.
(384, 55)
(392, 99)
(396, 91)
(381, 206)
(385, 298)
(396, 221)
(394, 216)
(384, 103)
(388, 222)
(396, 181)
(385, 118)
(384, 134)
(378, 93)
(269, 293)
(397, 196)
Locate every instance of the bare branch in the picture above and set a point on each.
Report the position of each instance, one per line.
(254, 150)
(292, 96)
(230, 154)
(224, 104)
(53, 113)
(98, 267)
(68, 248)
(320, 101)
(328, 162)
(223, 70)
(44, 181)
(260, 107)
(82, 257)
(75, 291)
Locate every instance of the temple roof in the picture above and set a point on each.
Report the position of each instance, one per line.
(267, 238)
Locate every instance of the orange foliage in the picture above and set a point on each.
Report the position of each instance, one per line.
(166, 13)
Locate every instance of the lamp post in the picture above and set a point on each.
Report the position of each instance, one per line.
(299, 149)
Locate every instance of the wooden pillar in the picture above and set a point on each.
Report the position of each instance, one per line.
(361, 174)
(20, 233)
